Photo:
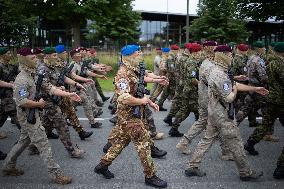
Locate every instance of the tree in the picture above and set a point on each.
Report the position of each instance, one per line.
(15, 26)
(117, 21)
(217, 22)
(261, 9)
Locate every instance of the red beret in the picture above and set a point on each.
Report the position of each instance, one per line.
(210, 43)
(223, 48)
(82, 49)
(38, 51)
(194, 47)
(187, 45)
(243, 47)
(158, 49)
(174, 47)
(74, 51)
(25, 51)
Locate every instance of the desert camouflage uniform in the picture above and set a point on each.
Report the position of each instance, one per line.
(30, 133)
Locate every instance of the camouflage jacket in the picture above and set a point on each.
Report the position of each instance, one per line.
(275, 71)
(256, 70)
(8, 73)
(239, 65)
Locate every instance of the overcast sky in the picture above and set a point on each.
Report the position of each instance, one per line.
(174, 6)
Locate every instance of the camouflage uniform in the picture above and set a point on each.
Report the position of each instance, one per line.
(219, 124)
(189, 101)
(85, 99)
(176, 101)
(128, 127)
(30, 133)
(275, 107)
(7, 103)
(256, 77)
(52, 116)
(239, 68)
(169, 90)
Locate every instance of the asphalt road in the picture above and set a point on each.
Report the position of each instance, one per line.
(127, 168)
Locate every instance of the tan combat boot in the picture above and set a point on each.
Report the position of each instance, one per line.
(3, 135)
(77, 153)
(183, 148)
(271, 138)
(12, 172)
(159, 136)
(62, 179)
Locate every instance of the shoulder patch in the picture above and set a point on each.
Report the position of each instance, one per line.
(122, 84)
(193, 73)
(245, 69)
(22, 92)
(261, 62)
(226, 87)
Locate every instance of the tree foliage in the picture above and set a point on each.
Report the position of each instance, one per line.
(261, 9)
(117, 21)
(217, 22)
(15, 26)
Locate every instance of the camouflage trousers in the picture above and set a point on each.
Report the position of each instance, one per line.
(157, 92)
(33, 134)
(270, 114)
(69, 112)
(52, 118)
(155, 85)
(252, 103)
(99, 88)
(168, 91)
(176, 102)
(188, 105)
(8, 109)
(87, 106)
(149, 122)
(92, 91)
(122, 134)
(230, 139)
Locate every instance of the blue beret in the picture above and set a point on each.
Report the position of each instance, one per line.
(129, 50)
(60, 49)
(166, 50)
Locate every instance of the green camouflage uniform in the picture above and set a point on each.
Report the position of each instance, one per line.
(275, 108)
(176, 102)
(169, 90)
(189, 101)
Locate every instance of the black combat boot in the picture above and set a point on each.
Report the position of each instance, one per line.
(103, 169)
(2, 155)
(252, 177)
(156, 182)
(168, 120)
(110, 107)
(98, 113)
(52, 135)
(96, 125)
(175, 133)
(104, 98)
(106, 147)
(156, 152)
(249, 146)
(278, 172)
(191, 172)
(99, 103)
(85, 134)
(161, 108)
(113, 120)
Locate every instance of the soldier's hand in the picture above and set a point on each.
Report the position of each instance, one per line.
(81, 86)
(241, 78)
(261, 90)
(74, 97)
(103, 77)
(144, 101)
(41, 103)
(154, 106)
(89, 81)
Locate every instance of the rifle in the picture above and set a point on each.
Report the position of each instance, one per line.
(60, 82)
(84, 67)
(31, 116)
(141, 90)
(8, 79)
(231, 111)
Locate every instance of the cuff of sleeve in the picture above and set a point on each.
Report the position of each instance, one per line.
(122, 97)
(22, 101)
(52, 90)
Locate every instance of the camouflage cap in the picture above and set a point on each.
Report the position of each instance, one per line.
(49, 50)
